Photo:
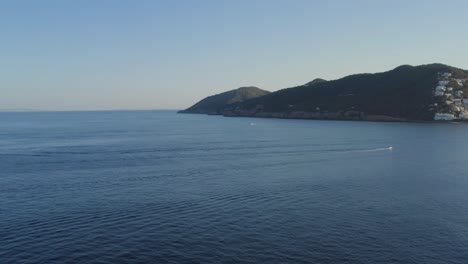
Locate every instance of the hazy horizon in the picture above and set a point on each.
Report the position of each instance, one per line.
(29, 110)
(149, 55)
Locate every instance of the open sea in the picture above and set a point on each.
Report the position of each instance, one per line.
(161, 187)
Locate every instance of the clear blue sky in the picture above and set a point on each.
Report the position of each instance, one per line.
(111, 54)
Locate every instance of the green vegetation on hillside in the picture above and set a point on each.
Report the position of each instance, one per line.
(406, 93)
(213, 104)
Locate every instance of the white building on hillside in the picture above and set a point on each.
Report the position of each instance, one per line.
(444, 116)
(439, 91)
(464, 115)
(446, 74)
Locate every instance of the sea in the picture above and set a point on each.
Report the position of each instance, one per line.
(161, 187)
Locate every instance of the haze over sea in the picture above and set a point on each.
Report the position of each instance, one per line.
(161, 187)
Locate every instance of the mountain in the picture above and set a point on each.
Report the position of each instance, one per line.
(213, 104)
(315, 81)
(406, 93)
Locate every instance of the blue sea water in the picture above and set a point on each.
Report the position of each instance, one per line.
(160, 187)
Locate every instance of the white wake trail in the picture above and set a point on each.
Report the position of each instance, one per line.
(390, 148)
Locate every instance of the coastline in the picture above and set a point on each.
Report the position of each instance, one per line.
(368, 118)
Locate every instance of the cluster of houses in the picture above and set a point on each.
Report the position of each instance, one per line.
(452, 101)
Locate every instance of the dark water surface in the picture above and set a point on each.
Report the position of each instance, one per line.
(157, 187)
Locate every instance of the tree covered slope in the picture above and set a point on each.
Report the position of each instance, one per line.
(404, 93)
(213, 104)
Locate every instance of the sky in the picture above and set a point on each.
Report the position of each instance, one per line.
(168, 54)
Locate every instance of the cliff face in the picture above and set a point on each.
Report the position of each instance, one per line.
(214, 104)
(405, 93)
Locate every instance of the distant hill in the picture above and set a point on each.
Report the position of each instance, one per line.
(215, 103)
(402, 94)
(315, 81)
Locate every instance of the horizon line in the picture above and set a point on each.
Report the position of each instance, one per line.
(82, 110)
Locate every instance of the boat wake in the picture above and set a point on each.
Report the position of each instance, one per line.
(390, 148)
